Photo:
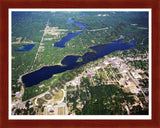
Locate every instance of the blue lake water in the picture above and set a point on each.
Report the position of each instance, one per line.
(25, 48)
(79, 24)
(67, 38)
(70, 62)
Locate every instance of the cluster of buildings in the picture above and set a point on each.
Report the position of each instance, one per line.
(129, 80)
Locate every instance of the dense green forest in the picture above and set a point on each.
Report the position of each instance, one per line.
(28, 25)
(101, 100)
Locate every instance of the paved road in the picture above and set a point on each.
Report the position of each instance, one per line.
(39, 45)
(137, 84)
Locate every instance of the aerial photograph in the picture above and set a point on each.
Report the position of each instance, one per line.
(79, 62)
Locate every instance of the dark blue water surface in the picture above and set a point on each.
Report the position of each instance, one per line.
(70, 62)
(67, 38)
(25, 48)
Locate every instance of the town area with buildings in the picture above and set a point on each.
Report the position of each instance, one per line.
(126, 81)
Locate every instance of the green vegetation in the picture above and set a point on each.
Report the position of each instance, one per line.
(16, 88)
(99, 100)
(119, 76)
(70, 87)
(26, 111)
(33, 91)
(57, 80)
(80, 59)
(144, 83)
(139, 64)
(30, 26)
(22, 62)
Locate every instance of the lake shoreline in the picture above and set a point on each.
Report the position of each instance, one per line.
(70, 63)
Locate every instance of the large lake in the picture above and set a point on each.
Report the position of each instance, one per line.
(70, 62)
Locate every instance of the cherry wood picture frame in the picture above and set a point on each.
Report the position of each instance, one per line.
(119, 4)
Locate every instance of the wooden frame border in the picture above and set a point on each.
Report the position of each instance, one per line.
(6, 4)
